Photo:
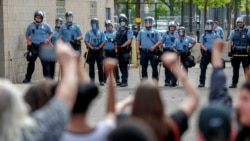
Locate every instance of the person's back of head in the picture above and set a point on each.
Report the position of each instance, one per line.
(132, 129)
(38, 95)
(86, 93)
(215, 122)
(148, 106)
(13, 112)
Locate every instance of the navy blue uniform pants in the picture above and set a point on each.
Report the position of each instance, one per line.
(145, 58)
(124, 58)
(236, 61)
(169, 76)
(205, 60)
(95, 56)
(112, 54)
(31, 63)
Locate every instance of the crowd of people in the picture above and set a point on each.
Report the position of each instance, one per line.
(57, 111)
(52, 111)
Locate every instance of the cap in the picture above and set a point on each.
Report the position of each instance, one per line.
(215, 121)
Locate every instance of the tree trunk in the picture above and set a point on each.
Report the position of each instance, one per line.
(171, 7)
(235, 12)
(190, 16)
(182, 13)
(205, 13)
(247, 12)
(229, 20)
(138, 12)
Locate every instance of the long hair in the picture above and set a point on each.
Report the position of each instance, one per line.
(148, 106)
(13, 112)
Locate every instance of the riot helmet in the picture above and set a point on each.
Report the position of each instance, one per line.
(123, 20)
(94, 23)
(59, 22)
(209, 25)
(171, 24)
(40, 14)
(108, 23)
(148, 22)
(69, 17)
(240, 22)
(181, 31)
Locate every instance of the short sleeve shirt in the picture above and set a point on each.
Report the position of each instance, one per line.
(219, 31)
(50, 122)
(55, 36)
(38, 32)
(100, 133)
(110, 37)
(182, 44)
(208, 38)
(148, 38)
(168, 39)
(70, 32)
(95, 38)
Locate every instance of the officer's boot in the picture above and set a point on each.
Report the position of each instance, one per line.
(26, 80)
(233, 85)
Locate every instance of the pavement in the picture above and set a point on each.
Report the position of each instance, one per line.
(172, 97)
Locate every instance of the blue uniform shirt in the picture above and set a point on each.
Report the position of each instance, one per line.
(55, 35)
(182, 44)
(38, 32)
(148, 37)
(208, 38)
(94, 38)
(232, 35)
(219, 31)
(168, 39)
(110, 36)
(70, 32)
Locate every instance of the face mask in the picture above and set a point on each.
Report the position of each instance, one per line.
(94, 27)
(208, 27)
(123, 23)
(181, 33)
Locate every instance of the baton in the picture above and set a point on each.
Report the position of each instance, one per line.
(240, 55)
(85, 61)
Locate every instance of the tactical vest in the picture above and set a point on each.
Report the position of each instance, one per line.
(240, 38)
(121, 36)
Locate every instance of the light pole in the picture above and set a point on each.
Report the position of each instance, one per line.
(156, 13)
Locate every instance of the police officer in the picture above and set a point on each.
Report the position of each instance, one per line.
(124, 38)
(109, 48)
(182, 46)
(58, 24)
(168, 41)
(206, 43)
(149, 39)
(37, 34)
(237, 48)
(218, 29)
(70, 32)
(95, 40)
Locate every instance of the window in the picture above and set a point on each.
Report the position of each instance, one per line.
(108, 14)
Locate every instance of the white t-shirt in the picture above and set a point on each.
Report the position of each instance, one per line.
(100, 133)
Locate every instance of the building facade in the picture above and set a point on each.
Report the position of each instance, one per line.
(15, 15)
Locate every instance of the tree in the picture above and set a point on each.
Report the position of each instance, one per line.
(205, 4)
(173, 6)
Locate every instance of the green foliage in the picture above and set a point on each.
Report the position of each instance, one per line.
(210, 3)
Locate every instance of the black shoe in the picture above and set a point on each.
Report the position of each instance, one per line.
(233, 85)
(166, 84)
(201, 85)
(172, 85)
(26, 80)
(123, 84)
(101, 83)
(118, 83)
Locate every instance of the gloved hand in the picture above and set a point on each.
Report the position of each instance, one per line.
(230, 54)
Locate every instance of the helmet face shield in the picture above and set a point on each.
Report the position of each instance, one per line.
(209, 25)
(69, 19)
(181, 31)
(123, 23)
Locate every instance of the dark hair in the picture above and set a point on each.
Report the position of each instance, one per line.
(132, 129)
(149, 107)
(38, 95)
(86, 93)
(216, 22)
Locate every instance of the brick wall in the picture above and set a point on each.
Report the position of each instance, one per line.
(15, 15)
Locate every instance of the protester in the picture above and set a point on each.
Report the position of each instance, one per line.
(47, 123)
(132, 130)
(78, 128)
(165, 127)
